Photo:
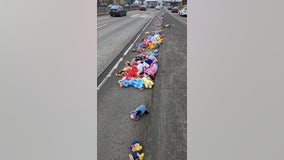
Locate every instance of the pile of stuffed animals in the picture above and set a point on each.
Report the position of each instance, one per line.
(140, 72)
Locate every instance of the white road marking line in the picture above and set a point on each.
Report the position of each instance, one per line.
(181, 20)
(121, 58)
(135, 15)
(125, 53)
(139, 15)
(102, 26)
(116, 65)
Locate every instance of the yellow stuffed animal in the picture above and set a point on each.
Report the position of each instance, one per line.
(152, 46)
(137, 147)
(148, 82)
(141, 156)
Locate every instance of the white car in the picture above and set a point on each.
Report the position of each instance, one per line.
(158, 8)
(183, 11)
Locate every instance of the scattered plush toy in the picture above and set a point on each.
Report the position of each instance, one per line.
(119, 74)
(166, 25)
(148, 83)
(135, 146)
(153, 58)
(135, 82)
(131, 73)
(123, 70)
(154, 52)
(148, 62)
(154, 67)
(140, 68)
(152, 46)
(138, 112)
(136, 156)
(136, 151)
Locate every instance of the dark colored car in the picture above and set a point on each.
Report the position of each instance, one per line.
(117, 11)
(175, 10)
(170, 7)
(152, 6)
(142, 8)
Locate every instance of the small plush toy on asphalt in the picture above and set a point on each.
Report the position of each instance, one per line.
(138, 112)
(136, 151)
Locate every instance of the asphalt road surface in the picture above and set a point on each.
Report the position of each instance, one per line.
(162, 133)
(180, 18)
(115, 32)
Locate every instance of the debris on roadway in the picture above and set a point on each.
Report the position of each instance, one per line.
(141, 70)
(138, 112)
(136, 151)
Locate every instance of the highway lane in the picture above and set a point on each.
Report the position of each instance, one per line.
(183, 19)
(114, 33)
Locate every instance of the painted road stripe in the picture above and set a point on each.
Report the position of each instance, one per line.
(135, 15)
(181, 20)
(124, 54)
(139, 15)
(176, 16)
(102, 26)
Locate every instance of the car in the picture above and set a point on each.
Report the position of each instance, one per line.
(126, 6)
(152, 6)
(183, 11)
(170, 7)
(117, 11)
(134, 5)
(103, 4)
(158, 8)
(111, 5)
(142, 8)
(175, 10)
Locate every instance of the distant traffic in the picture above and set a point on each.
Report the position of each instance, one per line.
(120, 10)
